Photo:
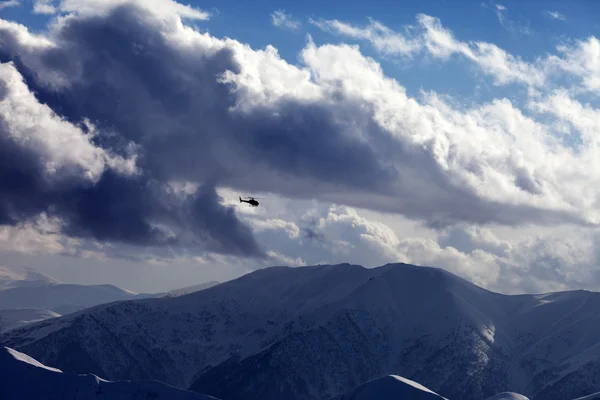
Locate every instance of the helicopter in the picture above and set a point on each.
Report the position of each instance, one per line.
(250, 201)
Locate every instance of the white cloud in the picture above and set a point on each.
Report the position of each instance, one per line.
(583, 119)
(500, 9)
(44, 7)
(282, 20)
(40, 236)
(290, 228)
(9, 3)
(556, 15)
(159, 8)
(63, 148)
(582, 59)
(440, 43)
(381, 37)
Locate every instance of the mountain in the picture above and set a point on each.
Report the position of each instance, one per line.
(62, 298)
(24, 378)
(507, 396)
(28, 288)
(595, 396)
(15, 318)
(191, 289)
(390, 387)
(314, 332)
(12, 277)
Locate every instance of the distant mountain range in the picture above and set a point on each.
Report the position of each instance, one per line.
(27, 296)
(312, 333)
(12, 277)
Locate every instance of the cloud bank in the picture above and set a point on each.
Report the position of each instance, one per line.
(122, 122)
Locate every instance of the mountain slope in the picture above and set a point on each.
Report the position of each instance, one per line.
(61, 298)
(24, 378)
(12, 277)
(15, 318)
(191, 289)
(28, 288)
(595, 396)
(390, 388)
(507, 396)
(315, 332)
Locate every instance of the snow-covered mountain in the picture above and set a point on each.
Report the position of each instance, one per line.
(28, 288)
(12, 277)
(391, 387)
(191, 289)
(62, 298)
(15, 318)
(315, 332)
(24, 378)
(507, 396)
(595, 396)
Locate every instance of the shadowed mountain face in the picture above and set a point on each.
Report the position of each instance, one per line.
(315, 332)
(25, 378)
(388, 388)
(17, 317)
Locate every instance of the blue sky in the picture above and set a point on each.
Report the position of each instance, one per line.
(461, 135)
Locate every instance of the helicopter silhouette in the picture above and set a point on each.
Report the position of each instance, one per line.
(250, 201)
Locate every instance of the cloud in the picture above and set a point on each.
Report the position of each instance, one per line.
(9, 3)
(431, 37)
(158, 8)
(561, 259)
(556, 15)
(39, 236)
(159, 102)
(282, 20)
(49, 165)
(580, 59)
(500, 9)
(381, 37)
(44, 7)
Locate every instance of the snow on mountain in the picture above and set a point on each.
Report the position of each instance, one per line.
(507, 396)
(314, 332)
(595, 396)
(15, 318)
(391, 387)
(24, 378)
(192, 289)
(12, 277)
(28, 288)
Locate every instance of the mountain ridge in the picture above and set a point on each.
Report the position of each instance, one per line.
(338, 326)
(26, 378)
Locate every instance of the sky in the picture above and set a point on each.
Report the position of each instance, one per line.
(462, 136)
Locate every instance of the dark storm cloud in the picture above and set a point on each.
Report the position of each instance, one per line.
(22, 186)
(226, 234)
(121, 93)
